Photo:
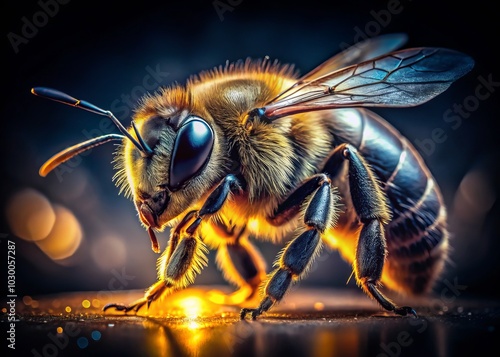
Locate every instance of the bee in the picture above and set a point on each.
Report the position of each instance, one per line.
(252, 150)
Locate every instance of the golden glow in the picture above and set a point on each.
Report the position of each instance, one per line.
(67, 309)
(319, 306)
(157, 340)
(96, 303)
(217, 297)
(59, 329)
(86, 304)
(191, 320)
(193, 325)
(196, 340)
(65, 236)
(30, 215)
(330, 239)
(192, 306)
(253, 224)
(343, 240)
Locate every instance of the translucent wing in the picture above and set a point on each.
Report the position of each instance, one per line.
(400, 79)
(360, 52)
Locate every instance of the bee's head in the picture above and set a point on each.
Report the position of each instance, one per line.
(166, 183)
(168, 158)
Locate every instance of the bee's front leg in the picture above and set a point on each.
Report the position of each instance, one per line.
(186, 254)
(153, 292)
(165, 282)
(299, 252)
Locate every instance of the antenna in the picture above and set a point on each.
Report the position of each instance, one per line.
(64, 98)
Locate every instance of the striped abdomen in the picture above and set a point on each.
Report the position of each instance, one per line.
(417, 238)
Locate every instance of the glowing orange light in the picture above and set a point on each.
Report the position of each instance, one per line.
(319, 306)
(189, 304)
(67, 309)
(193, 325)
(86, 304)
(30, 215)
(65, 237)
(253, 225)
(192, 306)
(59, 329)
(96, 303)
(330, 239)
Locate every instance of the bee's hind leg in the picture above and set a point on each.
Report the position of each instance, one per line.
(369, 202)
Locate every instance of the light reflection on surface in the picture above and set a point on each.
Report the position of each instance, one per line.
(349, 324)
(192, 306)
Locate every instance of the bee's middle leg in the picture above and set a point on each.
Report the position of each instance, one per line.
(241, 264)
(299, 252)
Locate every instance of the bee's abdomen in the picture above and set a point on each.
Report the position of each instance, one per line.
(417, 237)
(417, 241)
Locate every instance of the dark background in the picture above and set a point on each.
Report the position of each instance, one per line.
(101, 52)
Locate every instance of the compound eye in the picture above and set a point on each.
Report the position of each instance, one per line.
(192, 149)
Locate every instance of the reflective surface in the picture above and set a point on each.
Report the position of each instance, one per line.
(309, 323)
